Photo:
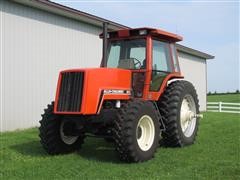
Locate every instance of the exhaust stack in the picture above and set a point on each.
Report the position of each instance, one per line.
(105, 29)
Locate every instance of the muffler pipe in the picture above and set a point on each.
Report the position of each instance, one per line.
(105, 30)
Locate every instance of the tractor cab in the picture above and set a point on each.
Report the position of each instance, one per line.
(150, 55)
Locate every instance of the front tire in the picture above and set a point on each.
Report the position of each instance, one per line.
(178, 107)
(136, 131)
(52, 134)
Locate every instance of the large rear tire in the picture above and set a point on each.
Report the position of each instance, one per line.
(52, 134)
(136, 131)
(178, 107)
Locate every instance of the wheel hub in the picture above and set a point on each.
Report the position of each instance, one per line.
(188, 115)
(145, 133)
(67, 139)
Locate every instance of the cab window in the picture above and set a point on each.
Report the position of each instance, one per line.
(174, 55)
(161, 57)
(161, 64)
(127, 54)
(114, 55)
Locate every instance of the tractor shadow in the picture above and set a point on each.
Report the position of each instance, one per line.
(99, 150)
(93, 149)
(31, 148)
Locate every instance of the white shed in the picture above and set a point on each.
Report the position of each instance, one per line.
(39, 38)
(193, 65)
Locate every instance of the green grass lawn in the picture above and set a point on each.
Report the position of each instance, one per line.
(215, 155)
(235, 98)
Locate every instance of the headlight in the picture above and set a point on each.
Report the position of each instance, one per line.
(143, 32)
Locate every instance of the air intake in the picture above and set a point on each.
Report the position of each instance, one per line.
(71, 92)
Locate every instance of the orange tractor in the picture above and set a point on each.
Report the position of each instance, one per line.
(136, 99)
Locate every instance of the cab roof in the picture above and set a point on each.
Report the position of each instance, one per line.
(143, 32)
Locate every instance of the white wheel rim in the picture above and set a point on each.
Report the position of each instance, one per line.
(145, 133)
(67, 139)
(188, 115)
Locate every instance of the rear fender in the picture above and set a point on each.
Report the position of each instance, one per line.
(155, 96)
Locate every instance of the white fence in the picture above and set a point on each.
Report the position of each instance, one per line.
(223, 107)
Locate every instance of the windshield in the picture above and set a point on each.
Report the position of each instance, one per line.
(127, 54)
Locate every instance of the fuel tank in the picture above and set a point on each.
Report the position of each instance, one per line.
(82, 91)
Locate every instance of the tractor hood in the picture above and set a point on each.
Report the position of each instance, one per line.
(82, 91)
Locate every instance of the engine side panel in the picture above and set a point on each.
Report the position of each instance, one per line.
(99, 84)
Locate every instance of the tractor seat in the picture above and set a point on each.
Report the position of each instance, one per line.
(126, 64)
(143, 66)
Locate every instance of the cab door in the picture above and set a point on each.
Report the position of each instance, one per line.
(161, 64)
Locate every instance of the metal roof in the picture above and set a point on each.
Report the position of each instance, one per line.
(62, 10)
(194, 52)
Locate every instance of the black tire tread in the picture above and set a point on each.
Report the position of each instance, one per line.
(168, 107)
(50, 135)
(122, 127)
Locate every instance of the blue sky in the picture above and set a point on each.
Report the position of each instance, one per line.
(211, 27)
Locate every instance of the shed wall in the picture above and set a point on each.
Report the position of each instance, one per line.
(36, 46)
(1, 62)
(194, 70)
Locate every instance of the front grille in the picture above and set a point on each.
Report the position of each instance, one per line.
(71, 92)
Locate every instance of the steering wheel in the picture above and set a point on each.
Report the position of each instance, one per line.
(137, 62)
